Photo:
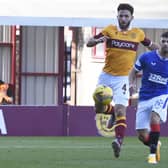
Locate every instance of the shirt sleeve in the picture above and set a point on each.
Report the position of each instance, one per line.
(139, 63)
(143, 39)
(98, 36)
(146, 42)
(105, 31)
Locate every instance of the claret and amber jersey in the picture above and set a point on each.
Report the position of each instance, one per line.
(121, 49)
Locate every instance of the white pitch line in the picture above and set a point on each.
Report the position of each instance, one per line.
(66, 147)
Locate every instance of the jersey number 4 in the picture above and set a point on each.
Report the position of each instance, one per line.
(124, 88)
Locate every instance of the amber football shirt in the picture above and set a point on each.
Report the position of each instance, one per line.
(121, 49)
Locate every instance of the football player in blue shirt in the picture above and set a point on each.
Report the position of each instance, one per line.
(153, 96)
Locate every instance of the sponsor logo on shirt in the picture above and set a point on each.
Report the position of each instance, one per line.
(122, 44)
(158, 79)
(153, 63)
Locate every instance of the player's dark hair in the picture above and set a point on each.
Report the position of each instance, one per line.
(10, 90)
(126, 6)
(1, 82)
(165, 34)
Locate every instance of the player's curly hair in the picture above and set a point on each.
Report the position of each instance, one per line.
(1, 82)
(126, 6)
(165, 34)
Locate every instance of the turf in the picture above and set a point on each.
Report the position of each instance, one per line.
(75, 152)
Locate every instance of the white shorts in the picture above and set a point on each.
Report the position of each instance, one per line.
(119, 85)
(157, 104)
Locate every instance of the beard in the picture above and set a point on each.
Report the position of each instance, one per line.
(124, 26)
(164, 51)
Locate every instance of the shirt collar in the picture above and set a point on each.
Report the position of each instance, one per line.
(119, 29)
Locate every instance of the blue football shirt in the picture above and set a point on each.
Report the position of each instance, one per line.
(155, 75)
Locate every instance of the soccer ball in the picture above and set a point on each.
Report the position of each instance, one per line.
(103, 95)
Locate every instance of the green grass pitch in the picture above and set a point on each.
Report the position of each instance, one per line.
(75, 152)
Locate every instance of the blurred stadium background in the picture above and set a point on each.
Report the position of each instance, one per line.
(53, 74)
(43, 55)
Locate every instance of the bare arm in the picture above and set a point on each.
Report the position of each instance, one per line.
(149, 44)
(4, 97)
(132, 77)
(132, 85)
(93, 41)
(153, 46)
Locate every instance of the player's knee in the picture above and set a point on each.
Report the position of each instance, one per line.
(120, 110)
(141, 136)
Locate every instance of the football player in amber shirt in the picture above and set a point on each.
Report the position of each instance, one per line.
(121, 45)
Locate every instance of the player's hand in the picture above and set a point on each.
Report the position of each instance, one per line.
(8, 99)
(102, 39)
(132, 89)
(92, 41)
